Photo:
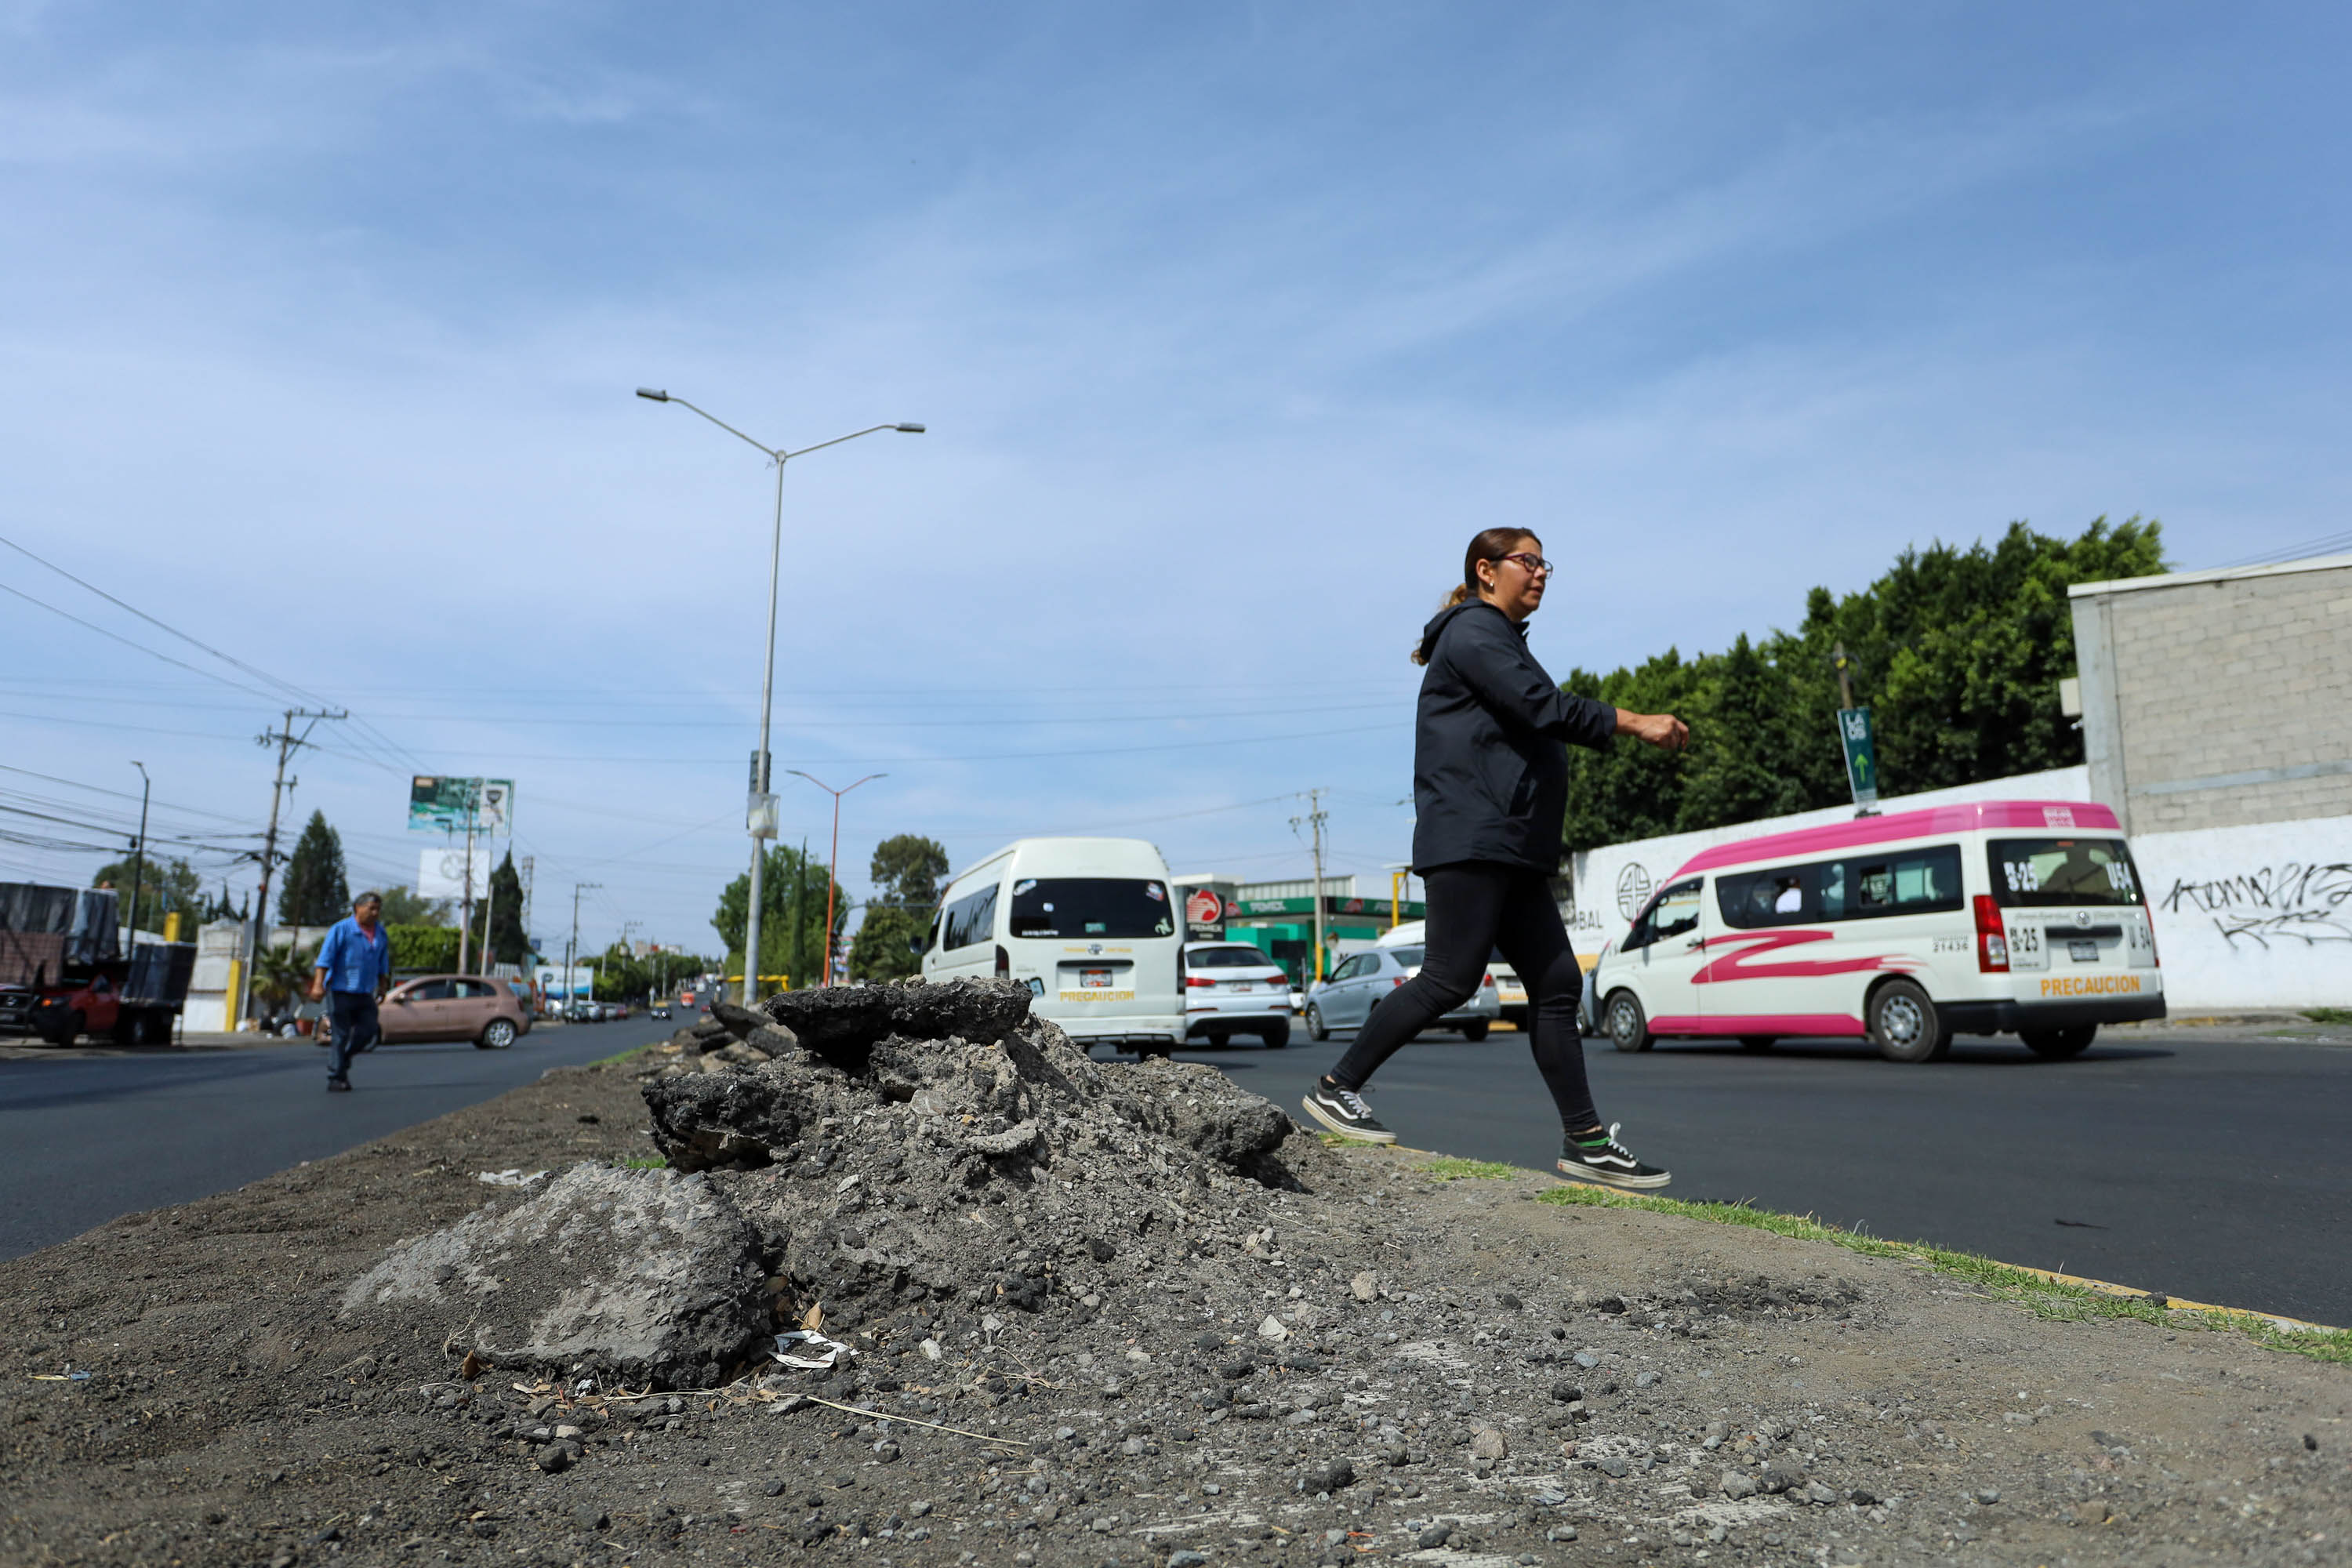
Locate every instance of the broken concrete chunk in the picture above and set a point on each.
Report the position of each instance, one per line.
(632, 1274)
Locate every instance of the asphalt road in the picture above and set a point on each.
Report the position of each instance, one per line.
(2213, 1168)
(91, 1137)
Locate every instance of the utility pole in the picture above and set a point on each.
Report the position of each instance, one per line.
(1845, 682)
(530, 864)
(1314, 819)
(288, 743)
(138, 863)
(466, 894)
(572, 948)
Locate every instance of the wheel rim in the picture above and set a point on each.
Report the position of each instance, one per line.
(1901, 1020)
(501, 1032)
(1314, 1017)
(1621, 1028)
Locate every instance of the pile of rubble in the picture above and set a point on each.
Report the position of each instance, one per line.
(919, 1155)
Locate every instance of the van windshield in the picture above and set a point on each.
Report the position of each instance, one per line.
(1091, 907)
(2042, 872)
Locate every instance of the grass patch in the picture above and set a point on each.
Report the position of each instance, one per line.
(2049, 1299)
(642, 1162)
(619, 1057)
(1447, 1168)
(2328, 1014)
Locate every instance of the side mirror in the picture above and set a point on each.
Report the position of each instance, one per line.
(917, 943)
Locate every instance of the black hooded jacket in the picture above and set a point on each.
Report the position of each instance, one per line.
(1490, 744)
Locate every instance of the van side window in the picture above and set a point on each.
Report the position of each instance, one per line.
(1780, 896)
(1673, 911)
(969, 920)
(1912, 882)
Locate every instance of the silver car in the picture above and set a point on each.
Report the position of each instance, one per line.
(1346, 998)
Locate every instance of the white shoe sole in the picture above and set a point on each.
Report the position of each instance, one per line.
(1577, 1172)
(1353, 1134)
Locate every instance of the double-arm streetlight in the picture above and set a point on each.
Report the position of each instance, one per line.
(761, 815)
(833, 861)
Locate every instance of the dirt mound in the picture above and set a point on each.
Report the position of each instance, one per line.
(861, 1151)
(871, 1122)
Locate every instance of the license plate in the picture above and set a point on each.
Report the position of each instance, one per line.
(2083, 951)
(1094, 979)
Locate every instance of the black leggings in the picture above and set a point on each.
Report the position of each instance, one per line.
(1476, 907)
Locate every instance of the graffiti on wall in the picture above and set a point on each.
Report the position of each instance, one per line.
(2291, 901)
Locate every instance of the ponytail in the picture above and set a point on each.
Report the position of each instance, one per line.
(1488, 544)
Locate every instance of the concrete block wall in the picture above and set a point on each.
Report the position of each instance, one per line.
(2219, 698)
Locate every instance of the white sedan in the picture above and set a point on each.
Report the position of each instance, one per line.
(1231, 988)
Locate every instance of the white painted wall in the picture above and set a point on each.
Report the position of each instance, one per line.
(2253, 917)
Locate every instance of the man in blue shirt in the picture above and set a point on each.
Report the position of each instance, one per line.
(354, 968)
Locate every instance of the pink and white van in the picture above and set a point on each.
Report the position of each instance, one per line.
(2020, 917)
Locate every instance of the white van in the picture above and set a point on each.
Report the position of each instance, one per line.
(1090, 925)
(1996, 917)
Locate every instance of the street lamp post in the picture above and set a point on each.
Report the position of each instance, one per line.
(833, 860)
(761, 814)
(138, 856)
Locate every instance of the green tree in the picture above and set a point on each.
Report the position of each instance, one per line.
(316, 892)
(423, 949)
(163, 885)
(792, 923)
(404, 906)
(508, 943)
(1957, 653)
(908, 870)
(883, 948)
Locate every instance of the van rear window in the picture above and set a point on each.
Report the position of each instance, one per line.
(2042, 872)
(1091, 907)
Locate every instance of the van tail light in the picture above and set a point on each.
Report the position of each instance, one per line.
(1992, 938)
(1199, 983)
(2154, 957)
(1003, 965)
(1489, 982)
(1397, 982)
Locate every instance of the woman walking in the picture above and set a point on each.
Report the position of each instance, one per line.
(1490, 786)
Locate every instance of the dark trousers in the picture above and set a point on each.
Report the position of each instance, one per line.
(1475, 907)
(355, 1029)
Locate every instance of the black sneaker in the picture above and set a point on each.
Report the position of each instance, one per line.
(1608, 1163)
(1343, 1110)
(338, 1086)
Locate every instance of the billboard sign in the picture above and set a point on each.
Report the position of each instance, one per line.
(441, 874)
(450, 804)
(1860, 755)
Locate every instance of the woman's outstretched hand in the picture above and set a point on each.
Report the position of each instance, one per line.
(1663, 730)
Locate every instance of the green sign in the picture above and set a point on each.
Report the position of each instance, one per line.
(1861, 754)
(457, 806)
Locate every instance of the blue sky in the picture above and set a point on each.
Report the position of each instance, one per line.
(1230, 323)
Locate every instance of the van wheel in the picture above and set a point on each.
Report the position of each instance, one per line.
(2057, 1044)
(1627, 1025)
(1905, 1025)
(1474, 1033)
(497, 1035)
(1755, 1042)
(1315, 1029)
(1277, 1034)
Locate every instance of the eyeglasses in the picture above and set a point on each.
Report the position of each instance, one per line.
(1536, 564)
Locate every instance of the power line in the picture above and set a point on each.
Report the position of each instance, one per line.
(2291, 553)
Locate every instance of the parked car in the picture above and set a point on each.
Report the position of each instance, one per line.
(450, 1007)
(1346, 999)
(1232, 988)
(1509, 986)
